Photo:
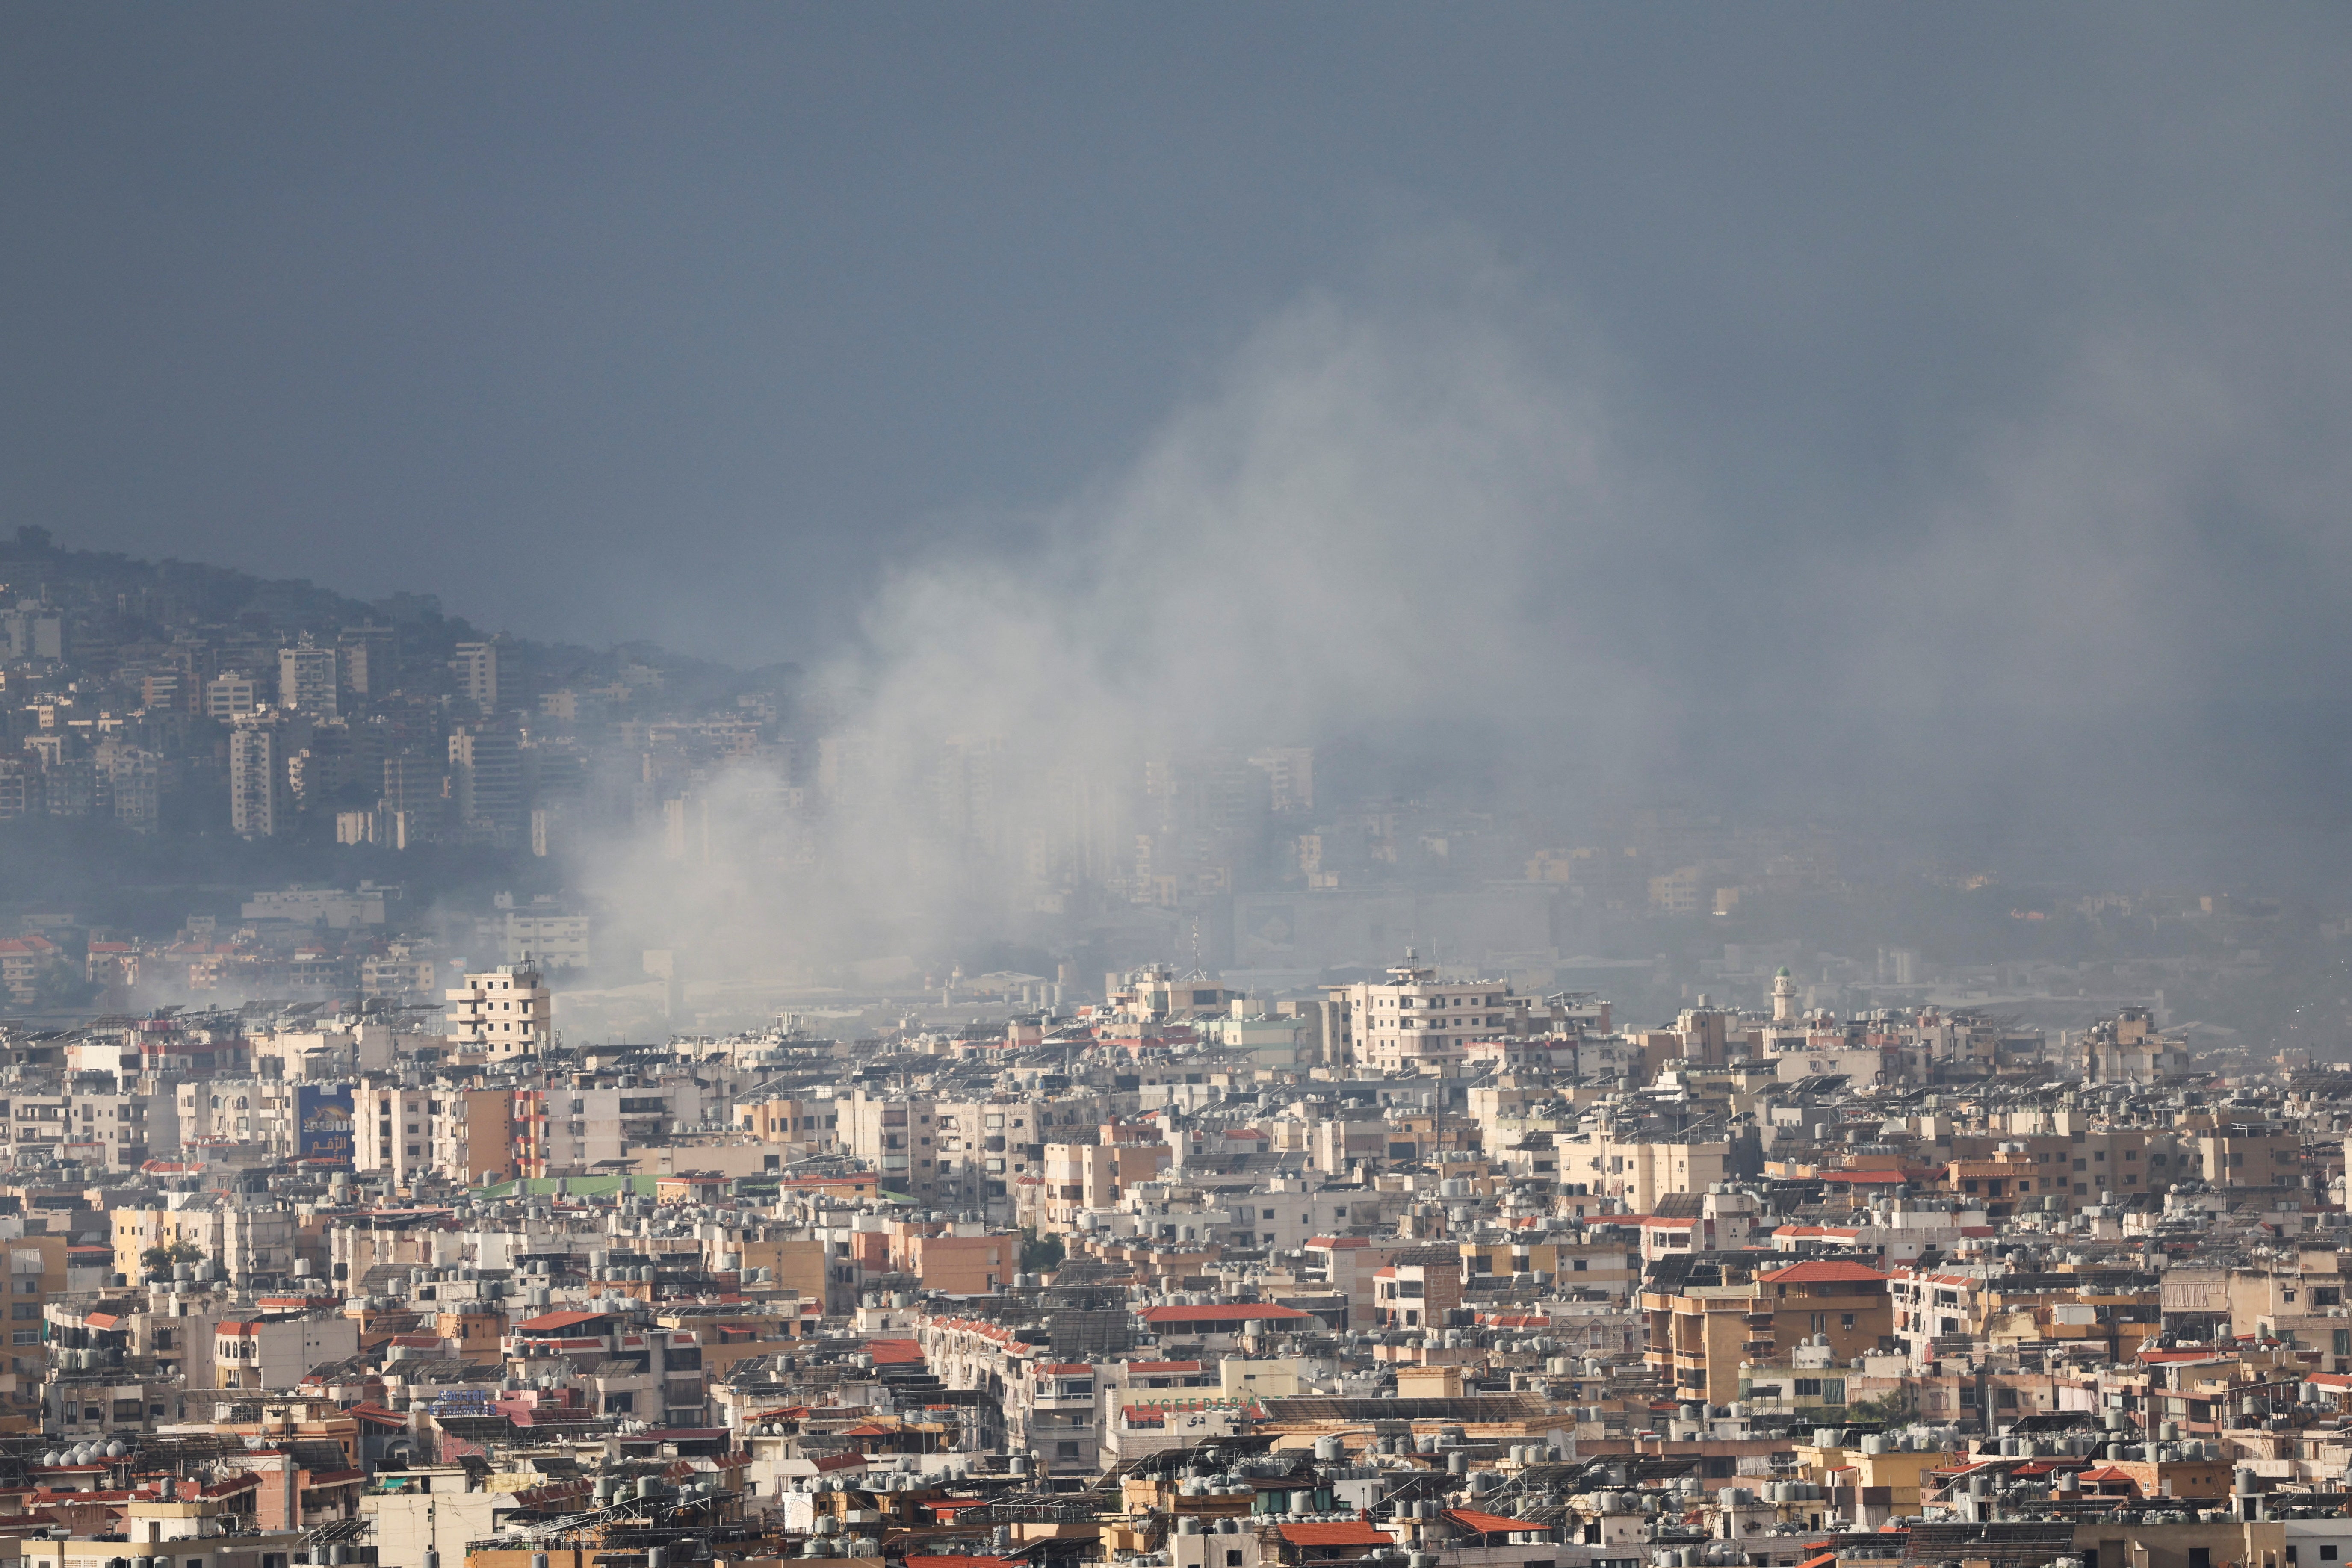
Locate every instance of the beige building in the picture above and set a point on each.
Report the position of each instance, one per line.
(475, 665)
(433, 1511)
(504, 1012)
(1642, 1170)
(257, 801)
(2252, 1154)
(1082, 1176)
(1415, 1019)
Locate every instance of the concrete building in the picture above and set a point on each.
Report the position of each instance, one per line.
(547, 939)
(487, 781)
(503, 1012)
(1415, 1020)
(306, 680)
(578, 1130)
(277, 1353)
(231, 695)
(258, 807)
(476, 667)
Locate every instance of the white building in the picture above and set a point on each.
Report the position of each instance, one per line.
(1416, 1018)
(507, 1012)
(547, 940)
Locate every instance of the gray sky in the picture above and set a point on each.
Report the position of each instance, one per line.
(1925, 335)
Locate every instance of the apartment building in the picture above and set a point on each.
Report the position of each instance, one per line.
(276, 1352)
(1083, 1176)
(1415, 1020)
(258, 802)
(1699, 1336)
(982, 1149)
(306, 681)
(1641, 1169)
(586, 1130)
(812, 1122)
(503, 1012)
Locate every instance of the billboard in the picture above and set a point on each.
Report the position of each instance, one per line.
(323, 1115)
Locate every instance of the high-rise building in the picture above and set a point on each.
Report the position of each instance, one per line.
(133, 778)
(486, 777)
(306, 680)
(366, 663)
(258, 805)
(231, 695)
(1290, 771)
(475, 665)
(415, 803)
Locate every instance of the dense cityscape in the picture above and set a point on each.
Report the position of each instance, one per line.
(353, 1220)
(1292, 785)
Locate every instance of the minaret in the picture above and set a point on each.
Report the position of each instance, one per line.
(1784, 997)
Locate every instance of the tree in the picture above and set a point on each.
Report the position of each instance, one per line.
(1893, 1408)
(1040, 1255)
(158, 1260)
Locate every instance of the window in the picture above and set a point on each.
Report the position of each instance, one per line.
(2201, 1557)
(620, 1404)
(2328, 1552)
(1233, 1557)
(1065, 1450)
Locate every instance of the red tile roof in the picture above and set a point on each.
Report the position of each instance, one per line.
(1486, 1523)
(1354, 1532)
(548, 1323)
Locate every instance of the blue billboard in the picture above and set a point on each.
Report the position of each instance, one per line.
(323, 1114)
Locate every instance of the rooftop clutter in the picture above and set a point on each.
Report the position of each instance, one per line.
(1117, 1285)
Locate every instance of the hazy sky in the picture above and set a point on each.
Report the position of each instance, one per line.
(688, 321)
(1949, 406)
